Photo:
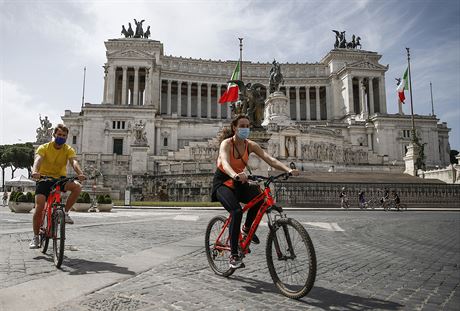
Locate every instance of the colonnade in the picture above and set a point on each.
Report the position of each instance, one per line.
(128, 85)
(198, 99)
(366, 94)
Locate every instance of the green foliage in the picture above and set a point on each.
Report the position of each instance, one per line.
(21, 197)
(100, 199)
(13, 195)
(30, 197)
(84, 198)
(107, 199)
(104, 199)
(19, 155)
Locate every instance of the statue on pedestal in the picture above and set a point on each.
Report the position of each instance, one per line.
(139, 134)
(276, 77)
(251, 102)
(139, 33)
(45, 131)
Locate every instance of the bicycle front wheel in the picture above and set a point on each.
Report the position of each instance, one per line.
(291, 258)
(58, 237)
(43, 234)
(217, 244)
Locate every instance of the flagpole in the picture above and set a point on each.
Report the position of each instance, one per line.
(432, 106)
(241, 59)
(83, 93)
(410, 91)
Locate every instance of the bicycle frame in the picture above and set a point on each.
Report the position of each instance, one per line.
(54, 199)
(265, 196)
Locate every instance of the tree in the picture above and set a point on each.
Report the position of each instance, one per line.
(4, 162)
(453, 154)
(20, 156)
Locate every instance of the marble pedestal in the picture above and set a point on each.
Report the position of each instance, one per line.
(139, 159)
(276, 110)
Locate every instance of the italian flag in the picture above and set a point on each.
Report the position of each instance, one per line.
(403, 85)
(231, 94)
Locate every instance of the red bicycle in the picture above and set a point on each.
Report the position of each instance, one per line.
(289, 250)
(53, 220)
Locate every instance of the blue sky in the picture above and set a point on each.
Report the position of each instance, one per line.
(46, 44)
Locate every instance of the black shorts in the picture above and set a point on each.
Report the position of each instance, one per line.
(44, 186)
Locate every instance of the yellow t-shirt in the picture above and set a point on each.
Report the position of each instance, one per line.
(54, 162)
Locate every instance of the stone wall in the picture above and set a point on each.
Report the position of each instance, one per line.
(302, 194)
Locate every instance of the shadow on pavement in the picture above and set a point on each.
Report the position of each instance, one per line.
(257, 286)
(330, 299)
(82, 266)
(324, 298)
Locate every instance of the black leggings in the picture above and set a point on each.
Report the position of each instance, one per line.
(231, 199)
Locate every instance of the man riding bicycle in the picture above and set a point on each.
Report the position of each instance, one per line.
(51, 160)
(230, 183)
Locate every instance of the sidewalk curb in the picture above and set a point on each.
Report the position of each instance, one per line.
(204, 208)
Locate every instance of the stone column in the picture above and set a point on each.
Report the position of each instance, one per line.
(382, 96)
(148, 86)
(208, 112)
(361, 95)
(111, 85)
(179, 98)
(307, 89)
(106, 72)
(371, 95)
(351, 108)
(168, 104)
(288, 95)
(198, 100)
(136, 86)
(219, 106)
(318, 111)
(328, 103)
(189, 99)
(267, 91)
(297, 103)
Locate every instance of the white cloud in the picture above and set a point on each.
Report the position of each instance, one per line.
(19, 113)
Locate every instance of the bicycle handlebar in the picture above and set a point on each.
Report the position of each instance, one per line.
(270, 179)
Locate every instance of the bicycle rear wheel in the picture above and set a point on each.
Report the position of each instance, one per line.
(58, 236)
(291, 258)
(43, 236)
(218, 250)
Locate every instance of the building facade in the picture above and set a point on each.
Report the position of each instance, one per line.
(160, 116)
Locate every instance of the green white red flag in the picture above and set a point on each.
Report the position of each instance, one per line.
(231, 94)
(403, 85)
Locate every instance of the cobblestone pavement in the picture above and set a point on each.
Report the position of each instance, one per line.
(367, 260)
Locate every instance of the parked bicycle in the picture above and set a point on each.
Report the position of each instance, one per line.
(53, 221)
(289, 250)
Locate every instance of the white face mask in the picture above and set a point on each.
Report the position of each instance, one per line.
(243, 132)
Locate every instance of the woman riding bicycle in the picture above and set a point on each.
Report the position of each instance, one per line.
(230, 183)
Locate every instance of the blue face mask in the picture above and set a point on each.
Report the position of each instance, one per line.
(243, 132)
(59, 140)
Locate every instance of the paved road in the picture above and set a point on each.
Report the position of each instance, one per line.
(154, 260)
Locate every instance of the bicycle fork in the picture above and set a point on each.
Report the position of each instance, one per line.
(274, 226)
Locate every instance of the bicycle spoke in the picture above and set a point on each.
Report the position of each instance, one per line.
(218, 249)
(294, 270)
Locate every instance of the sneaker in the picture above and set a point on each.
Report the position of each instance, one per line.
(236, 262)
(68, 220)
(255, 238)
(35, 243)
